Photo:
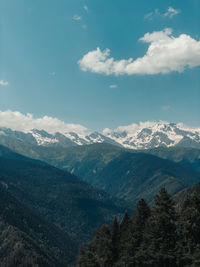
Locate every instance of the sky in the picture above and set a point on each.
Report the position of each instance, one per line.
(100, 63)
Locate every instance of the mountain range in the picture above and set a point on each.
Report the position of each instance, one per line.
(71, 188)
(143, 136)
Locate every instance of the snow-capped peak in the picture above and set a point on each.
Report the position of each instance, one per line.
(144, 135)
(152, 134)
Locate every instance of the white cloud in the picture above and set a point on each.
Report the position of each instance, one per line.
(77, 17)
(52, 73)
(113, 86)
(84, 26)
(166, 53)
(171, 12)
(149, 16)
(86, 8)
(3, 83)
(153, 14)
(134, 127)
(166, 107)
(26, 122)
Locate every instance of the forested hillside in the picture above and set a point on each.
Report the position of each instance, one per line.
(28, 240)
(152, 237)
(133, 176)
(58, 196)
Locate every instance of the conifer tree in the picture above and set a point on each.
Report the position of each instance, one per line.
(133, 235)
(138, 228)
(99, 252)
(115, 240)
(190, 231)
(124, 224)
(161, 232)
(124, 239)
(154, 237)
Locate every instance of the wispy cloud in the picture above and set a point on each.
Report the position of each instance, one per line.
(113, 86)
(149, 16)
(77, 17)
(171, 12)
(86, 8)
(166, 53)
(84, 26)
(3, 83)
(166, 107)
(152, 14)
(26, 122)
(53, 73)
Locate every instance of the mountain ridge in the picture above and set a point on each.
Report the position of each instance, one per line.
(138, 137)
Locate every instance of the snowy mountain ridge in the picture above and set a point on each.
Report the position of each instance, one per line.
(154, 134)
(145, 135)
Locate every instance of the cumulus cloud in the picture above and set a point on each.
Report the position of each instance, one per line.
(171, 12)
(166, 53)
(26, 122)
(77, 17)
(3, 83)
(113, 86)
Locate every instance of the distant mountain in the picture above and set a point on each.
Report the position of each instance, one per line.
(43, 138)
(138, 137)
(155, 134)
(28, 240)
(83, 161)
(133, 176)
(124, 173)
(58, 196)
(189, 157)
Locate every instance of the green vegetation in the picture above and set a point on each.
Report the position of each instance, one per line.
(58, 196)
(127, 174)
(29, 240)
(150, 238)
(133, 176)
(189, 157)
(44, 208)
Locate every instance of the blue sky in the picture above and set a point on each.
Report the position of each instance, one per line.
(43, 41)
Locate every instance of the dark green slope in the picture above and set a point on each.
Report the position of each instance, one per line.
(84, 161)
(181, 196)
(97, 164)
(59, 196)
(133, 176)
(189, 157)
(28, 240)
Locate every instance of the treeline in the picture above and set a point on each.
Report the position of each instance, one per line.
(153, 237)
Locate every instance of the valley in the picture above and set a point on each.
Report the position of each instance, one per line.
(74, 189)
